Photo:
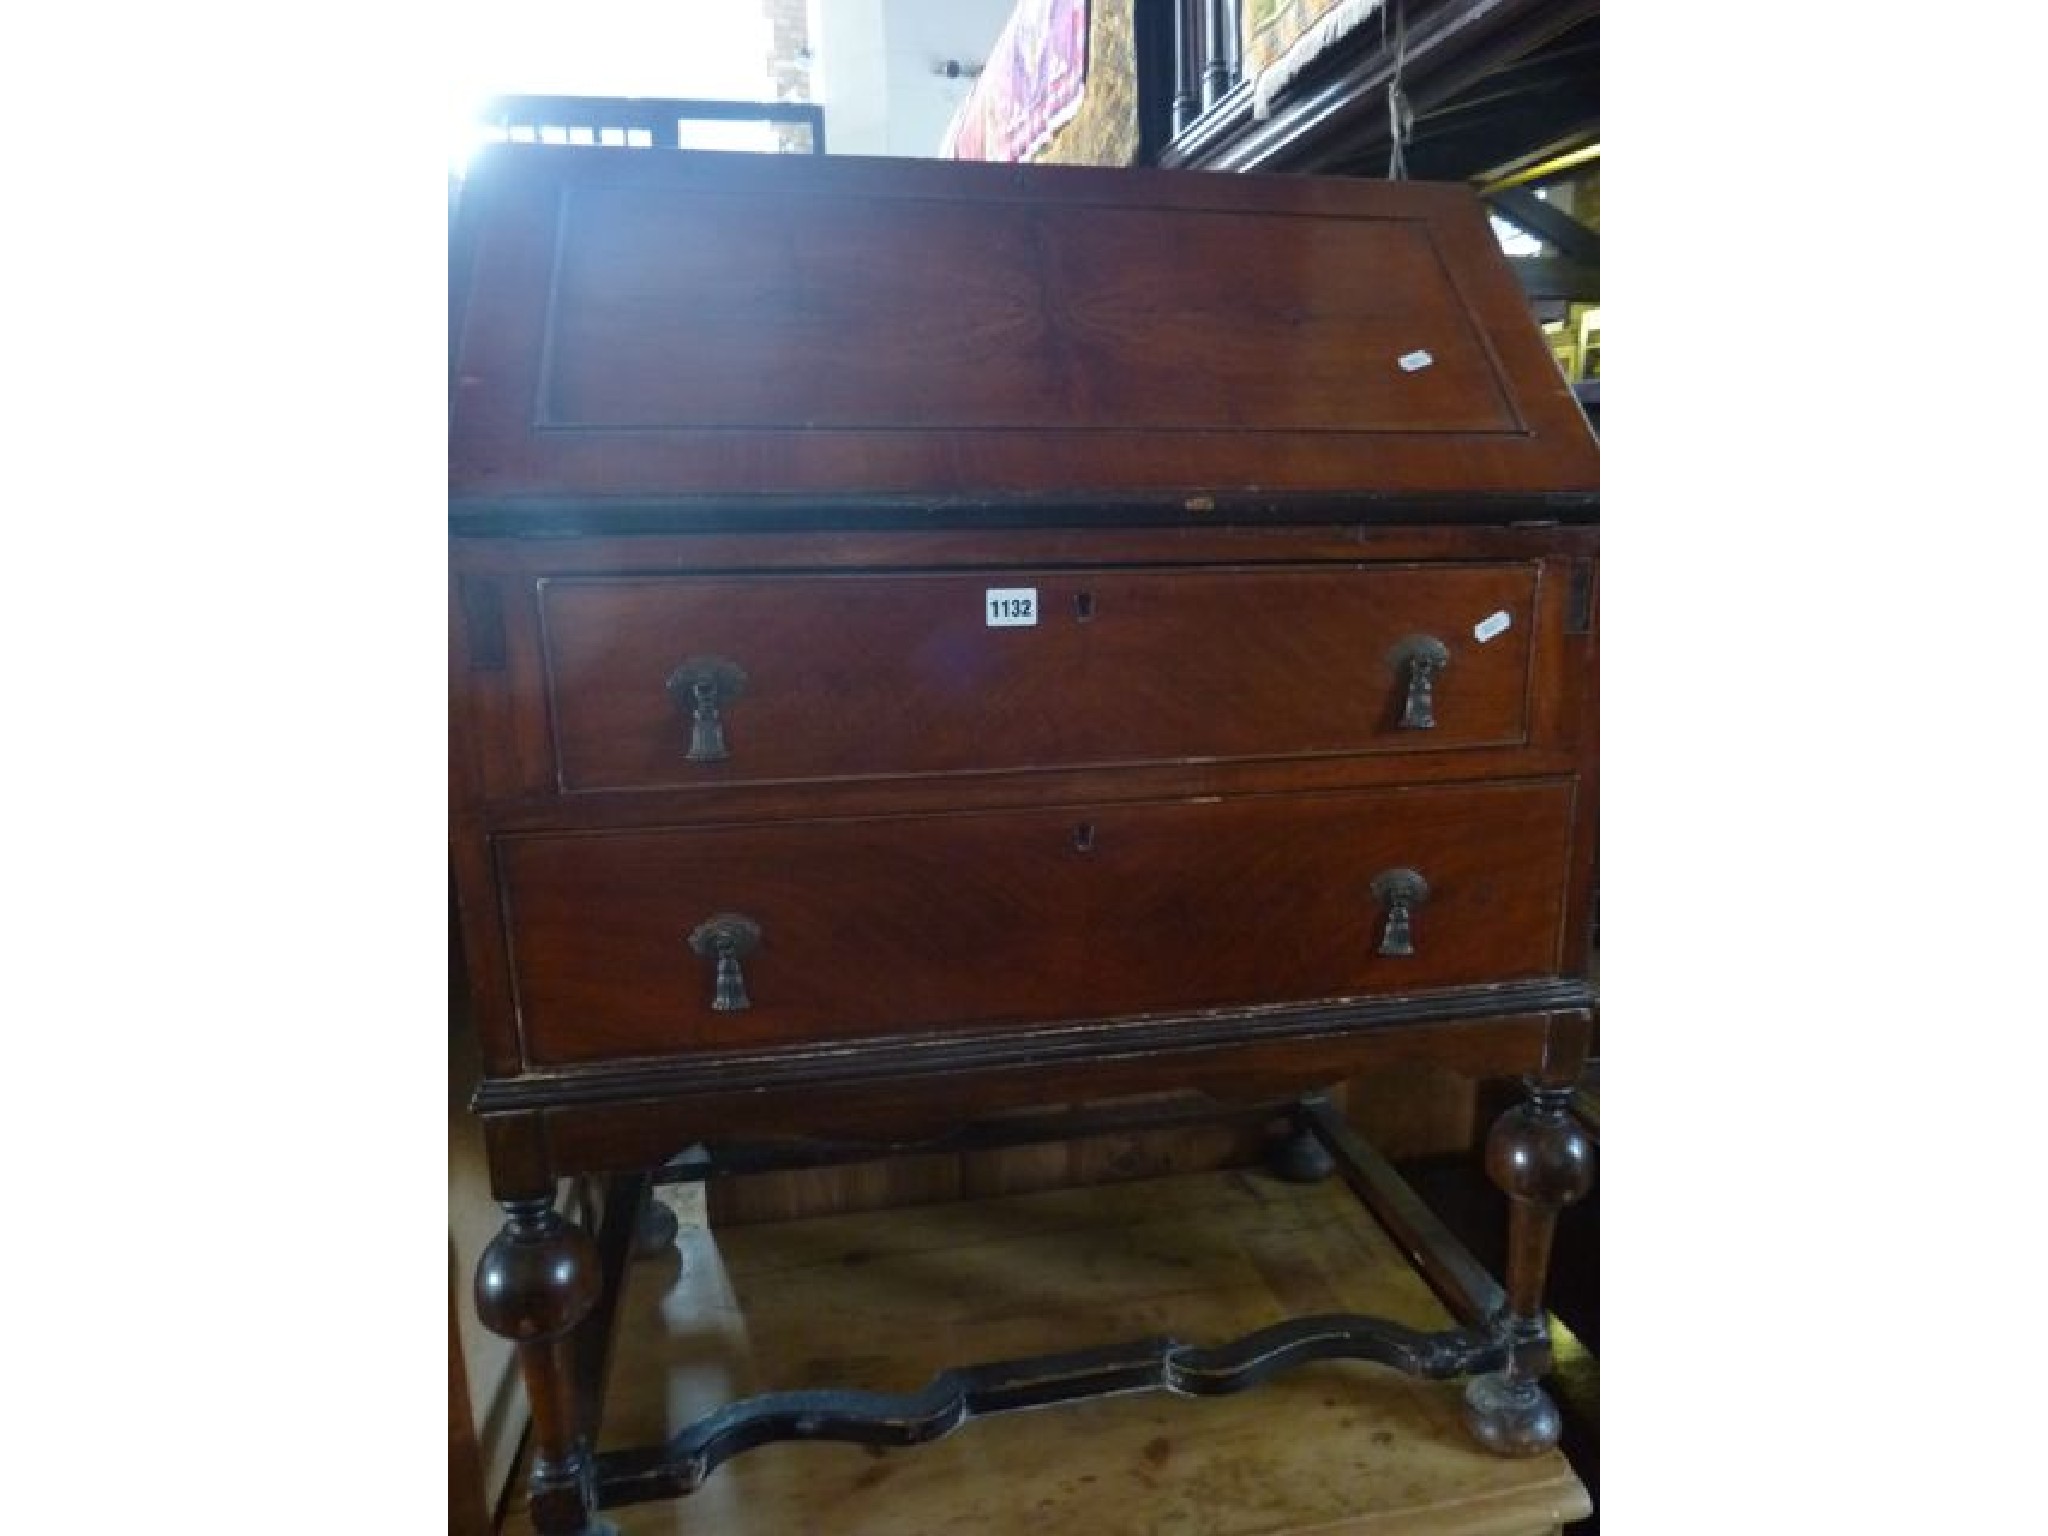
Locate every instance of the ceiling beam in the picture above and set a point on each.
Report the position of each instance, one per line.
(1570, 149)
(1552, 225)
(1557, 277)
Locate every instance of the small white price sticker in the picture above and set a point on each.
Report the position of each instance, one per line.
(1495, 623)
(1011, 607)
(1414, 362)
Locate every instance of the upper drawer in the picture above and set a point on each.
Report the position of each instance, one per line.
(825, 676)
(843, 928)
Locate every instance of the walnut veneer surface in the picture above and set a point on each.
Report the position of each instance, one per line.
(929, 640)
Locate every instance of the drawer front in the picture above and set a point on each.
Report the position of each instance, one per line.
(624, 944)
(666, 682)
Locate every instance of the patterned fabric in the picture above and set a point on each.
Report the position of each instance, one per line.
(1105, 130)
(1282, 37)
(1031, 86)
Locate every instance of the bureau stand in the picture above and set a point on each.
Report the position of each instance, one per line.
(1537, 1151)
(930, 642)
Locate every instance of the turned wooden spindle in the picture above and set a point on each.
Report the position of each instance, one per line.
(1542, 1161)
(536, 1281)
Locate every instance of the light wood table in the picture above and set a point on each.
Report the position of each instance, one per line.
(884, 1300)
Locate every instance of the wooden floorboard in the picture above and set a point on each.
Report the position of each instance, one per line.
(884, 1300)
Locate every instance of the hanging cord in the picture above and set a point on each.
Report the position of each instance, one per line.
(1400, 116)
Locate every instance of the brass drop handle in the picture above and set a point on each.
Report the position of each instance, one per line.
(1416, 662)
(704, 685)
(1400, 891)
(724, 939)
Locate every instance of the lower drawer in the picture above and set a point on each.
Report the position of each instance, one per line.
(649, 943)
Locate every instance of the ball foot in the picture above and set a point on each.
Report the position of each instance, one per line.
(655, 1232)
(1299, 1157)
(567, 1510)
(1511, 1417)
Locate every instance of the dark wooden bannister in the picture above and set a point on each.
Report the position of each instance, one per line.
(1196, 102)
(1207, 56)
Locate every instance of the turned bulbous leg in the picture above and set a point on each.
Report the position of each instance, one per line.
(1543, 1161)
(540, 1275)
(537, 1280)
(1538, 1154)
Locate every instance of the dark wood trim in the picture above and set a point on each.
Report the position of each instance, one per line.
(1463, 1283)
(1027, 788)
(720, 1159)
(948, 549)
(1187, 69)
(944, 1055)
(565, 516)
(517, 1148)
(1219, 34)
(641, 1474)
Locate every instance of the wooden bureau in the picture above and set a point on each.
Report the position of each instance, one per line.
(931, 641)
